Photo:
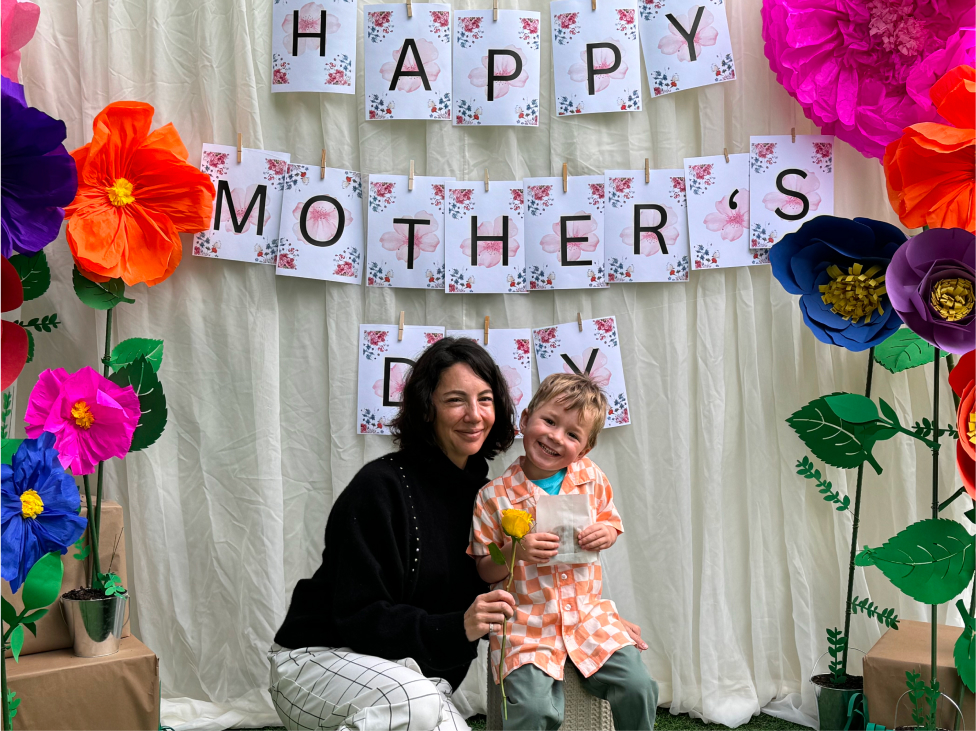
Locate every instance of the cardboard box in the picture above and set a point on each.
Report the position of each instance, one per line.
(61, 691)
(909, 648)
(52, 632)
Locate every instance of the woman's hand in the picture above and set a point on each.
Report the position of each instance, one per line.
(487, 609)
(538, 547)
(597, 537)
(635, 634)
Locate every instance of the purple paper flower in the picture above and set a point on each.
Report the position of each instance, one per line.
(38, 175)
(930, 284)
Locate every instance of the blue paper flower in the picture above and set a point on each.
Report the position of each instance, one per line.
(838, 267)
(39, 508)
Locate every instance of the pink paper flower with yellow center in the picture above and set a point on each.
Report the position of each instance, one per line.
(649, 243)
(309, 21)
(92, 418)
(675, 43)
(490, 252)
(424, 238)
(322, 220)
(504, 66)
(241, 199)
(603, 58)
(792, 205)
(552, 243)
(428, 55)
(599, 373)
(732, 222)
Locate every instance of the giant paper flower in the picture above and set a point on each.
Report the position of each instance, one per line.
(584, 229)
(790, 204)
(504, 66)
(930, 283)
(929, 171)
(38, 176)
(424, 238)
(309, 21)
(675, 43)
(92, 418)
(428, 55)
(14, 342)
(850, 63)
(136, 194)
(39, 509)
(603, 59)
(837, 266)
(649, 243)
(490, 251)
(732, 222)
(961, 380)
(18, 21)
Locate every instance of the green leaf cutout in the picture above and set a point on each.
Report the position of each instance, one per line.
(17, 642)
(127, 351)
(8, 612)
(9, 447)
(852, 407)
(496, 554)
(903, 350)
(964, 653)
(971, 514)
(888, 412)
(837, 442)
(99, 295)
(34, 616)
(32, 627)
(931, 560)
(43, 582)
(35, 274)
(30, 346)
(12, 702)
(142, 377)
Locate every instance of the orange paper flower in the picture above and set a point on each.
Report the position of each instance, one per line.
(961, 380)
(136, 192)
(929, 171)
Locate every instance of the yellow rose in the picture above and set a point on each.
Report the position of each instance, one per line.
(516, 523)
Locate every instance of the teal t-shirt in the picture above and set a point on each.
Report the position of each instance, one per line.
(551, 484)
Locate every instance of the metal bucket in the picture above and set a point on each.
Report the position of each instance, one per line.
(840, 709)
(95, 625)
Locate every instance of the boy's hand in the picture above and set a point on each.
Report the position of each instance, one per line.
(597, 537)
(538, 547)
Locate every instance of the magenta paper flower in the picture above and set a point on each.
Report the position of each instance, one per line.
(603, 58)
(731, 223)
(18, 21)
(398, 377)
(649, 244)
(551, 243)
(674, 42)
(424, 238)
(599, 373)
(241, 198)
(861, 69)
(504, 66)
(790, 204)
(428, 54)
(309, 20)
(490, 252)
(322, 220)
(92, 418)
(513, 379)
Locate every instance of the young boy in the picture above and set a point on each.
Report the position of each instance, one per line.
(559, 609)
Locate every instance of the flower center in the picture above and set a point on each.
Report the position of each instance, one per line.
(972, 427)
(894, 25)
(120, 194)
(953, 298)
(856, 294)
(31, 504)
(82, 415)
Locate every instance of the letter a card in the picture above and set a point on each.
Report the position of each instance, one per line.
(646, 226)
(791, 182)
(564, 246)
(406, 232)
(247, 206)
(322, 225)
(496, 68)
(313, 46)
(595, 56)
(408, 61)
(686, 44)
(593, 351)
(485, 249)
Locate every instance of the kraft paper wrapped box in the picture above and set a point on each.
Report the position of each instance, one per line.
(909, 648)
(52, 632)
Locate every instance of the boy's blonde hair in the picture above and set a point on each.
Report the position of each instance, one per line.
(576, 393)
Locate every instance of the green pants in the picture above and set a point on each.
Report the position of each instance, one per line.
(535, 701)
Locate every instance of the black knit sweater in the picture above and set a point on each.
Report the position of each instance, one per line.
(395, 580)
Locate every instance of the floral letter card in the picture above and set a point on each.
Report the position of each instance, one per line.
(384, 363)
(510, 350)
(686, 44)
(313, 46)
(485, 252)
(718, 212)
(496, 67)
(647, 232)
(408, 61)
(594, 351)
(791, 183)
(247, 208)
(322, 225)
(564, 233)
(406, 232)
(595, 56)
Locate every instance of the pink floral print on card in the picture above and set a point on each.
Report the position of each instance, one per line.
(732, 222)
(424, 237)
(675, 44)
(603, 58)
(309, 21)
(504, 66)
(490, 252)
(582, 230)
(649, 242)
(428, 56)
(789, 204)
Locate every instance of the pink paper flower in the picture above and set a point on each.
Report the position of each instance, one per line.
(599, 373)
(504, 66)
(18, 21)
(514, 380)
(92, 418)
(603, 58)
(428, 54)
(649, 244)
(309, 21)
(398, 376)
(490, 252)
(424, 238)
(241, 198)
(730, 222)
(674, 42)
(574, 229)
(790, 204)
(322, 220)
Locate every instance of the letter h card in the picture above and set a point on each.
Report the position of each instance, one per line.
(313, 46)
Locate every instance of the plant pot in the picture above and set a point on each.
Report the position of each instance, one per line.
(95, 625)
(840, 709)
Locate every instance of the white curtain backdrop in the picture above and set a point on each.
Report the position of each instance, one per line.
(731, 563)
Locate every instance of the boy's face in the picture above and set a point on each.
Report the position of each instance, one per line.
(554, 437)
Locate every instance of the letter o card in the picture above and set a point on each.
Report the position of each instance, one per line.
(322, 225)
(791, 182)
(313, 46)
(408, 61)
(247, 206)
(595, 56)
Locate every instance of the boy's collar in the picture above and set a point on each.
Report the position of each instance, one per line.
(575, 472)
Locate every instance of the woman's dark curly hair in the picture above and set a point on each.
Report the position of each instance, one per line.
(414, 424)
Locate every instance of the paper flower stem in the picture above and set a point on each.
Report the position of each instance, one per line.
(6, 700)
(501, 660)
(935, 506)
(96, 517)
(92, 533)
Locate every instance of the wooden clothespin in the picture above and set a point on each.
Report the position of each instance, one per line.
(409, 9)
(647, 170)
(793, 133)
(486, 329)
(400, 330)
(410, 177)
(593, 5)
(579, 321)
(486, 180)
(240, 147)
(323, 164)
(565, 177)
(725, 151)
(494, 15)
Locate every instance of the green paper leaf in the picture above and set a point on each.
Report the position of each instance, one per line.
(35, 274)
(142, 377)
(971, 514)
(903, 350)
(35, 615)
(9, 447)
(12, 702)
(43, 582)
(852, 407)
(30, 346)
(8, 612)
(931, 560)
(496, 554)
(99, 295)
(964, 652)
(837, 442)
(889, 413)
(32, 627)
(127, 351)
(17, 642)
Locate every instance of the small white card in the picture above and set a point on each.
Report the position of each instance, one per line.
(300, 61)
(565, 516)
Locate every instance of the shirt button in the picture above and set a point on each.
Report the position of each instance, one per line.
(563, 576)
(568, 607)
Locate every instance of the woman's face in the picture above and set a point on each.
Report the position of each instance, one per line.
(464, 412)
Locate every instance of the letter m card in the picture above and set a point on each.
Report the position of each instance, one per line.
(247, 207)
(791, 182)
(313, 46)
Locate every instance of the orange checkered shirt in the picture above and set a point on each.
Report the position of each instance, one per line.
(560, 610)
